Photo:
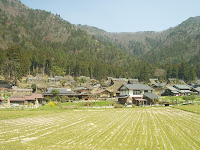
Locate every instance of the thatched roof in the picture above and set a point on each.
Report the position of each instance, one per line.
(154, 81)
(95, 91)
(117, 84)
(132, 81)
(21, 94)
(161, 85)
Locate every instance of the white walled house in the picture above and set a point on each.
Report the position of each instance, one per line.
(134, 90)
(135, 93)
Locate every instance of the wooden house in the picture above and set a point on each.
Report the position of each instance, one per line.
(32, 98)
(80, 93)
(183, 89)
(85, 96)
(81, 89)
(105, 94)
(177, 90)
(170, 91)
(83, 93)
(26, 99)
(4, 86)
(196, 85)
(197, 90)
(61, 92)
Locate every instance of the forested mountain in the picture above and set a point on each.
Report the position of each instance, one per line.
(38, 41)
(136, 44)
(174, 50)
(174, 45)
(180, 44)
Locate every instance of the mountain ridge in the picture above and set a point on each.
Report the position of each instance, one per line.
(46, 43)
(142, 44)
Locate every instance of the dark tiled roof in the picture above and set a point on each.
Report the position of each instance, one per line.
(197, 89)
(62, 91)
(80, 88)
(138, 87)
(85, 93)
(151, 95)
(5, 85)
(159, 84)
(198, 84)
(182, 87)
(171, 88)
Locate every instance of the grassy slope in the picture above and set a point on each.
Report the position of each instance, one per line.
(190, 108)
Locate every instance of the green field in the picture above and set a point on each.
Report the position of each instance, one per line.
(190, 108)
(126, 128)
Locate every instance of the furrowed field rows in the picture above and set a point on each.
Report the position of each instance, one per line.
(139, 128)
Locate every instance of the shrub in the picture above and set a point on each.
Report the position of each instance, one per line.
(52, 104)
(133, 105)
(57, 98)
(161, 103)
(75, 99)
(87, 104)
(82, 80)
(33, 86)
(186, 98)
(118, 105)
(47, 99)
(64, 99)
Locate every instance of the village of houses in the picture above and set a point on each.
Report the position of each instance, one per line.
(123, 91)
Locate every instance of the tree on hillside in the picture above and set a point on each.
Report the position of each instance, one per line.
(11, 65)
(55, 92)
(160, 74)
(34, 87)
(57, 71)
(144, 74)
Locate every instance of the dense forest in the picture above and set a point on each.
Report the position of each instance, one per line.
(36, 41)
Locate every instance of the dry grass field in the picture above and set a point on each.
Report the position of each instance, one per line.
(134, 128)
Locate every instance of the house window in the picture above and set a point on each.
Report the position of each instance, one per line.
(136, 92)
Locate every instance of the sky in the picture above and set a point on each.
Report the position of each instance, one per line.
(121, 15)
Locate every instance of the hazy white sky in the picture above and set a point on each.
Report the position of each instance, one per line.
(121, 15)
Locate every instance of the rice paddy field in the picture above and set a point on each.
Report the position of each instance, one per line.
(127, 128)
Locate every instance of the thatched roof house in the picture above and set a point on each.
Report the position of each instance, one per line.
(114, 88)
